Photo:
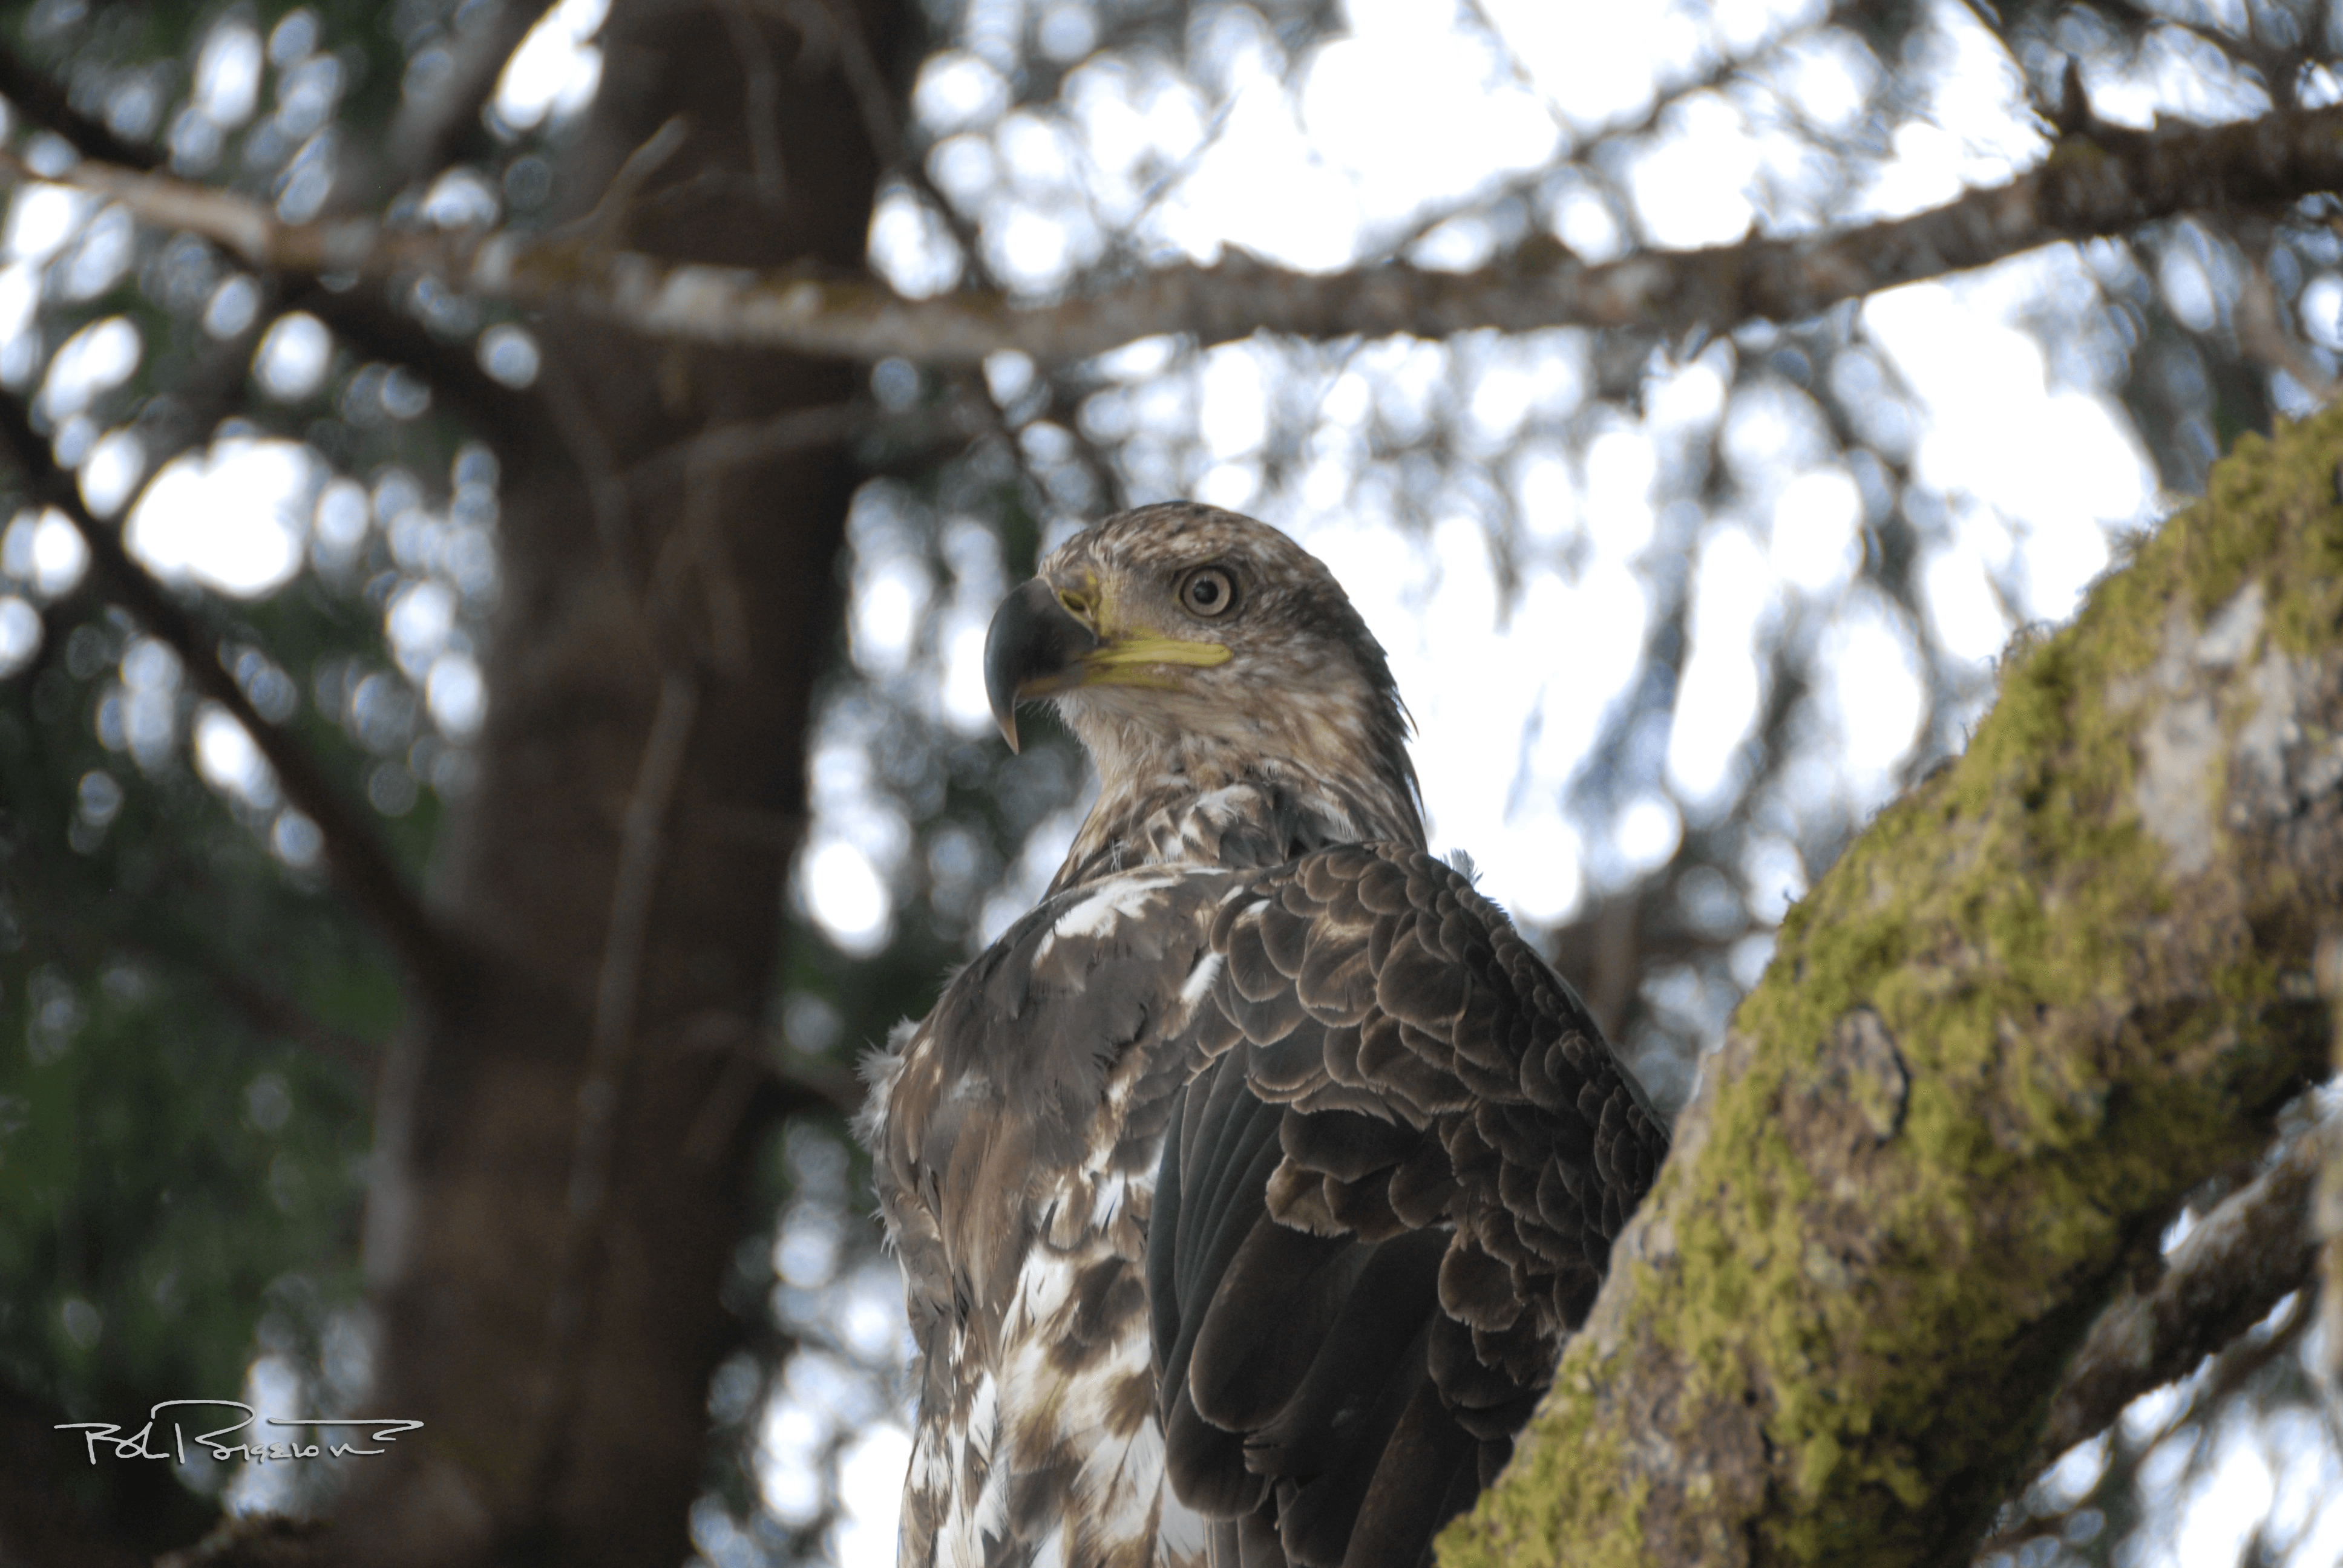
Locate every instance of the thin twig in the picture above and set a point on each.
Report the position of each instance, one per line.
(738, 445)
(369, 321)
(791, 1083)
(612, 210)
(280, 1014)
(2262, 334)
(836, 27)
(601, 1098)
(874, 100)
(1576, 143)
(606, 491)
(354, 857)
(762, 102)
(694, 546)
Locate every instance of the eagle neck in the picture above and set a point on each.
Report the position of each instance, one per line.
(1266, 813)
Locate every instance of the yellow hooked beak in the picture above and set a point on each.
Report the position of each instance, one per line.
(1045, 640)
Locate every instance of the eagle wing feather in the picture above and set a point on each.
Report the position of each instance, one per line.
(1367, 1321)
(1283, 1183)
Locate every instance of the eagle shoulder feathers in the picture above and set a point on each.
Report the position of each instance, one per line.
(1245, 1188)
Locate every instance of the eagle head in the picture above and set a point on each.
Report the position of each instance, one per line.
(1181, 642)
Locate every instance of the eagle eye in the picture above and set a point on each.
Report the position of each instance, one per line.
(1208, 591)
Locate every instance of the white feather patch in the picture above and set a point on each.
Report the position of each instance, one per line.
(1200, 981)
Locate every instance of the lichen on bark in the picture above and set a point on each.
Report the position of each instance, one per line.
(2043, 995)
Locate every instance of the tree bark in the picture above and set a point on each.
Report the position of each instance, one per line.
(560, 1181)
(2049, 990)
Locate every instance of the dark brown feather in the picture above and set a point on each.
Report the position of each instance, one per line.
(1345, 1144)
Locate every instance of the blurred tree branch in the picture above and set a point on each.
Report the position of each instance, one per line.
(433, 125)
(368, 320)
(356, 858)
(2326, 1212)
(2101, 180)
(2254, 1248)
(43, 101)
(2049, 990)
(2225, 1376)
(271, 1010)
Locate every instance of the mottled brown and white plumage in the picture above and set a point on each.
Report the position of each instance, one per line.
(1245, 1188)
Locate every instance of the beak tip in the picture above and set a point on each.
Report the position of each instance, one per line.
(1029, 648)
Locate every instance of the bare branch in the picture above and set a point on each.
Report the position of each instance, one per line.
(371, 322)
(431, 127)
(2102, 183)
(353, 854)
(601, 1098)
(2228, 1274)
(373, 325)
(732, 445)
(2224, 1376)
(825, 22)
(605, 226)
(763, 93)
(694, 547)
(606, 490)
(768, 1067)
(831, 1085)
(2261, 329)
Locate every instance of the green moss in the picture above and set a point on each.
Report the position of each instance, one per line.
(1994, 920)
(1569, 1471)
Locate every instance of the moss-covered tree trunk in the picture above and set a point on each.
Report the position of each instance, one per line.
(2045, 993)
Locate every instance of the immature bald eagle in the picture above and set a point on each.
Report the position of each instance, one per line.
(1245, 1188)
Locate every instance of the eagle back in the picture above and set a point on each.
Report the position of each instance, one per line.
(1241, 1211)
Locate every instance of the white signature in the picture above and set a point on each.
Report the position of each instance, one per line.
(135, 1446)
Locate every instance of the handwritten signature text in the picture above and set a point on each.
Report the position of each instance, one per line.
(139, 1444)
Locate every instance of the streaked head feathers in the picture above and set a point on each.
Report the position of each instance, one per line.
(1193, 649)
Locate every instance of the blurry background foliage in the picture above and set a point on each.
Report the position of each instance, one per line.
(1675, 616)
